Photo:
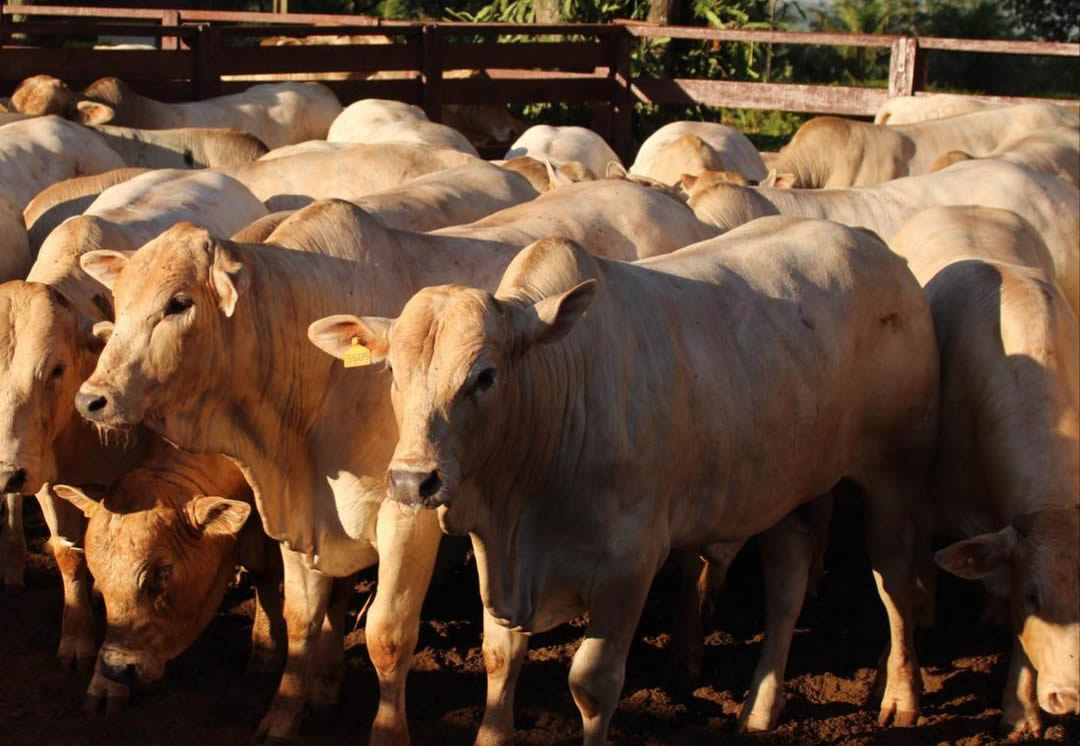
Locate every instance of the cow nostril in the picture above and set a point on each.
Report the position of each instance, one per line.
(96, 404)
(16, 481)
(431, 485)
(1063, 703)
(121, 674)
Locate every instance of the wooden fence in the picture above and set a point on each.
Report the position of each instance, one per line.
(201, 53)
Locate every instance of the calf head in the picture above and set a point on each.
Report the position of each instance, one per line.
(173, 298)
(454, 353)
(162, 567)
(46, 349)
(1038, 560)
(44, 94)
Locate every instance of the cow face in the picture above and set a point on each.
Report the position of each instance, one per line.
(162, 570)
(45, 350)
(1038, 559)
(166, 349)
(454, 354)
(44, 94)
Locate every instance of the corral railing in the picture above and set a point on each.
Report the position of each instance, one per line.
(205, 53)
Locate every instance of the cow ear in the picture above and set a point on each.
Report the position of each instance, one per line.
(104, 265)
(783, 180)
(687, 181)
(92, 112)
(218, 516)
(553, 317)
(78, 498)
(335, 334)
(229, 277)
(615, 170)
(978, 557)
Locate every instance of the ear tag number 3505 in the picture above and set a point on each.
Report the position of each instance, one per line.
(357, 355)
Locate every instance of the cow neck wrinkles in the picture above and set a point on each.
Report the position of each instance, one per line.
(266, 413)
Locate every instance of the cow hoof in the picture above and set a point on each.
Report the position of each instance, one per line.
(77, 655)
(761, 719)
(899, 718)
(93, 705)
(264, 734)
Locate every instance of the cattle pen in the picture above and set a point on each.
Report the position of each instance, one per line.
(198, 54)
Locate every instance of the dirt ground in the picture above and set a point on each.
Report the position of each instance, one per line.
(206, 698)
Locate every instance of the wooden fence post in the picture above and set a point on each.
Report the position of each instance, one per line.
(432, 72)
(622, 101)
(170, 19)
(206, 80)
(903, 66)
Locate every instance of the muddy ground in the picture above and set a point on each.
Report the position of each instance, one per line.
(206, 698)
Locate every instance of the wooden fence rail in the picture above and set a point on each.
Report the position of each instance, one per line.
(207, 53)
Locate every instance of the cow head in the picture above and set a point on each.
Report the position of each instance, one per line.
(46, 349)
(162, 567)
(166, 350)
(44, 94)
(1038, 560)
(454, 354)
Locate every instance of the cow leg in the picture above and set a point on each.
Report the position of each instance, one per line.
(787, 556)
(599, 667)
(688, 634)
(78, 646)
(307, 594)
(504, 653)
(1020, 717)
(268, 637)
(12, 541)
(408, 542)
(329, 659)
(890, 542)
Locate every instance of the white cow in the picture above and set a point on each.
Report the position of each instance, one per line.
(681, 148)
(559, 145)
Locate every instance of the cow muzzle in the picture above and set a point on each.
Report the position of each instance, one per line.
(417, 488)
(1063, 702)
(99, 405)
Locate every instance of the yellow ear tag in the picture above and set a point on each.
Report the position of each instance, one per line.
(357, 355)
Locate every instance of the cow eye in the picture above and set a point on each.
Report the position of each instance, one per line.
(485, 380)
(57, 371)
(178, 304)
(154, 579)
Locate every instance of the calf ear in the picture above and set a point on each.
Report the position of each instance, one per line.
(572, 172)
(218, 516)
(335, 334)
(687, 181)
(229, 277)
(978, 557)
(92, 112)
(104, 265)
(78, 498)
(555, 315)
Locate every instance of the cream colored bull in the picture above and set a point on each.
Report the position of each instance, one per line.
(47, 348)
(15, 251)
(591, 416)
(293, 181)
(559, 145)
(1051, 205)
(318, 480)
(1055, 151)
(64, 199)
(1007, 475)
(828, 152)
(163, 545)
(188, 147)
(40, 151)
(379, 120)
(681, 148)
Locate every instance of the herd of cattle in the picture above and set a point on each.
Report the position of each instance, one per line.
(586, 368)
